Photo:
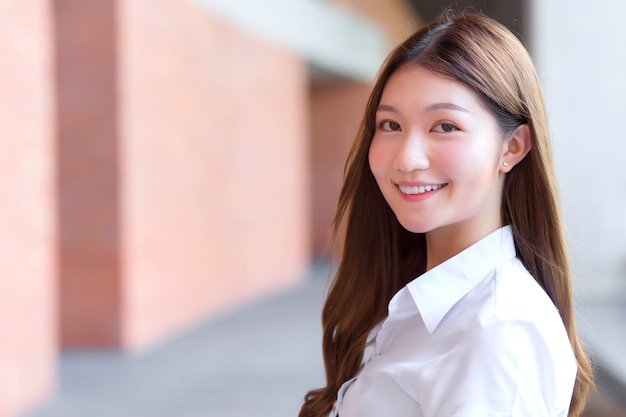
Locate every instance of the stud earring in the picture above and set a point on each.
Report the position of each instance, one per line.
(506, 164)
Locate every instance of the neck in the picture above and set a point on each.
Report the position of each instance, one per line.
(445, 242)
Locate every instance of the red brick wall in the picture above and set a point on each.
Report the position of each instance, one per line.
(185, 181)
(336, 112)
(215, 180)
(27, 206)
(88, 157)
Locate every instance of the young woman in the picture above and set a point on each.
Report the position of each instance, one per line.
(453, 294)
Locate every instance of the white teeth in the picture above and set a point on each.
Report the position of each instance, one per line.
(419, 189)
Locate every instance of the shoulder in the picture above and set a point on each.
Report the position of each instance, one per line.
(513, 356)
(507, 304)
(519, 297)
(519, 315)
(520, 343)
(508, 295)
(507, 368)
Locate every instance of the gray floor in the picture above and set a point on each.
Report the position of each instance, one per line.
(257, 360)
(601, 308)
(604, 332)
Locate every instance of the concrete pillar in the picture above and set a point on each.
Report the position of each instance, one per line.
(581, 63)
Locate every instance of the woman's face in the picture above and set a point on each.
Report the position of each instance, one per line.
(436, 155)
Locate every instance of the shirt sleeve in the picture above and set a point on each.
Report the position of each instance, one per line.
(507, 368)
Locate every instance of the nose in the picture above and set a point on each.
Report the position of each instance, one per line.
(412, 154)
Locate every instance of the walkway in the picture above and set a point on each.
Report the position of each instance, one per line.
(255, 361)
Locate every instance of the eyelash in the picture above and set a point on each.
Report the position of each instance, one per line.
(385, 126)
(454, 128)
(382, 126)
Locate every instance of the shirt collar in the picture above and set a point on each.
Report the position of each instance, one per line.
(438, 290)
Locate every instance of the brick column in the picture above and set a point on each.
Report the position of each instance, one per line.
(89, 172)
(337, 108)
(27, 207)
(184, 174)
(215, 175)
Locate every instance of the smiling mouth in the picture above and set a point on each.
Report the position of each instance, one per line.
(420, 189)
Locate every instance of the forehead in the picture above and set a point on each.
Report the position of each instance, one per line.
(415, 85)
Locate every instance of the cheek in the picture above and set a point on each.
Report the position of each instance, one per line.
(454, 161)
(468, 164)
(379, 157)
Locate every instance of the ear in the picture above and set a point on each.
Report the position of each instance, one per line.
(515, 148)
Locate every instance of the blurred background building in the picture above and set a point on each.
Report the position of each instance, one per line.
(166, 160)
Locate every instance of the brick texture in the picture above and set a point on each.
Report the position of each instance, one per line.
(88, 179)
(185, 176)
(336, 112)
(215, 174)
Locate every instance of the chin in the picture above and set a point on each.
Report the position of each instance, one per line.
(415, 227)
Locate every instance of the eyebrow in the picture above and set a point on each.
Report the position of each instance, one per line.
(445, 106)
(429, 109)
(386, 107)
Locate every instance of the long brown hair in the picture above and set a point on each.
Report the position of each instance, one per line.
(379, 256)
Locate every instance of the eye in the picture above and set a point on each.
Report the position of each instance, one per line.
(389, 126)
(444, 127)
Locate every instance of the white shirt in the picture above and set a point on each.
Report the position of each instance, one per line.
(475, 336)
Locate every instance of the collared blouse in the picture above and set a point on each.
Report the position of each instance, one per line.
(474, 336)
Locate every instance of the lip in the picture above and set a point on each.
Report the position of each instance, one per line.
(419, 190)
